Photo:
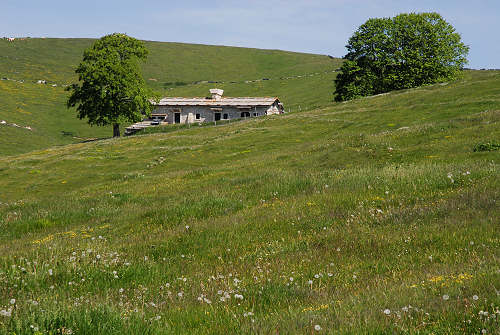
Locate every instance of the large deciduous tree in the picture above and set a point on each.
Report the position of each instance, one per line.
(406, 51)
(111, 88)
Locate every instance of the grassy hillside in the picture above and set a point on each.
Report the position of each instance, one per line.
(371, 216)
(172, 69)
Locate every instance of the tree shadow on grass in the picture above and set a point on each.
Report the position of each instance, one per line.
(86, 140)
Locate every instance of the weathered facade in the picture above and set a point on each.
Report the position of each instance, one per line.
(215, 108)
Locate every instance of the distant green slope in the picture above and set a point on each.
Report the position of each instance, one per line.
(373, 216)
(172, 69)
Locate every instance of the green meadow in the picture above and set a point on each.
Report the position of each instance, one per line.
(374, 216)
(172, 69)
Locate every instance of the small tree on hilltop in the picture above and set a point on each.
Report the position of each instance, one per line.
(406, 51)
(112, 90)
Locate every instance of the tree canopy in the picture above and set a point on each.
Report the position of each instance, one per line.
(406, 51)
(111, 88)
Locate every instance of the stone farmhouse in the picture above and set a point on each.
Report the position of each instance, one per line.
(210, 109)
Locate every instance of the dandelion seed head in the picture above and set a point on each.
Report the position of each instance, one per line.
(446, 297)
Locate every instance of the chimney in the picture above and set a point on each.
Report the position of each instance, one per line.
(216, 93)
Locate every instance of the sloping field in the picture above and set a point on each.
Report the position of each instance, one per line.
(36, 117)
(372, 216)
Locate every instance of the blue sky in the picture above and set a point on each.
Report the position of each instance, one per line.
(316, 26)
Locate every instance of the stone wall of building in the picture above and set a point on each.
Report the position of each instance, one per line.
(195, 114)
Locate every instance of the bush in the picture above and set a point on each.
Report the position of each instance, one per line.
(486, 147)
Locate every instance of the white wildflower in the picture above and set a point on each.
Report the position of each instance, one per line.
(446, 297)
(6, 313)
(12, 301)
(387, 311)
(317, 328)
(475, 297)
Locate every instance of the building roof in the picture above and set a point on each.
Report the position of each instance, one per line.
(247, 101)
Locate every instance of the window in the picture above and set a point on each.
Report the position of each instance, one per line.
(225, 116)
(255, 114)
(245, 114)
(198, 116)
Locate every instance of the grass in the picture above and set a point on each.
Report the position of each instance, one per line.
(372, 216)
(172, 69)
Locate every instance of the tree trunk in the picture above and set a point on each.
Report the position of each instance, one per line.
(116, 130)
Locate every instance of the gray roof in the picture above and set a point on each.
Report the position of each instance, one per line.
(217, 102)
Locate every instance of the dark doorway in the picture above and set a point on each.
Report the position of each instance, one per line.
(217, 116)
(177, 118)
(245, 114)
